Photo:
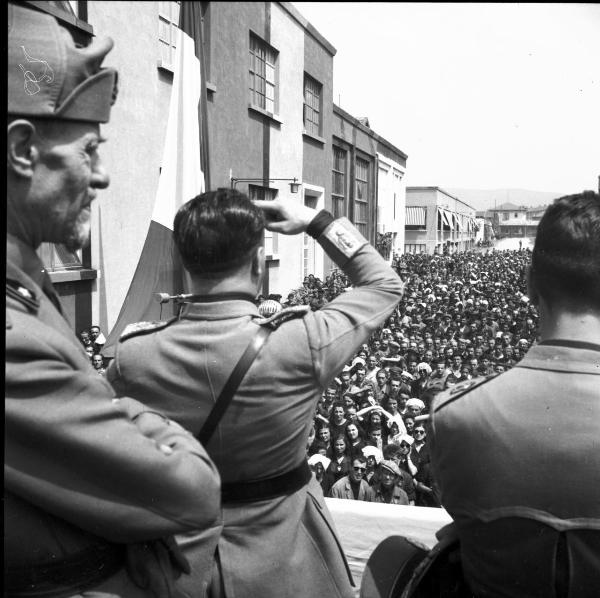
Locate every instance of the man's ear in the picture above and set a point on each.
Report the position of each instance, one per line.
(532, 292)
(21, 149)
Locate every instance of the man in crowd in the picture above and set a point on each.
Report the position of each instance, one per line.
(372, 368)
(92, 487)
(354, 486)
(497, 447)
(97, 338)
(438, 377)
(98, 364)
(387, 489)
(338, 421)
(382, 387)
(275, 517)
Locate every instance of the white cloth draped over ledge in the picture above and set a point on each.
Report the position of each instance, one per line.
(361, 526)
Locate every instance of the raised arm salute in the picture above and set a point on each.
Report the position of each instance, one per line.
(278, 538)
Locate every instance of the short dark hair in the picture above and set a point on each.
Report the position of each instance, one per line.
(565, 264)
(217, 231)
(391, 450)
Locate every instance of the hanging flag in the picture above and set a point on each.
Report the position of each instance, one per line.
(159, 268)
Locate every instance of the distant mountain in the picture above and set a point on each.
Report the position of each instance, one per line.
(486, 199)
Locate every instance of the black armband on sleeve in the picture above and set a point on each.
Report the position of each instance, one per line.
(319, 223)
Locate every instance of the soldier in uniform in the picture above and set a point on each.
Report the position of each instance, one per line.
(517, 465)
(91, 484)
(278, 539)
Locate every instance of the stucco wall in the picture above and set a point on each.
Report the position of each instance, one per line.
(133, 152)
(286, 140)
(390, 217)
(237, 136)
(318, 157)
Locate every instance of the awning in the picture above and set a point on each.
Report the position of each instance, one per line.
(446, 218)
(415, 215)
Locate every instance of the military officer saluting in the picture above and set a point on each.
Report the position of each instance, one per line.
(278, 539)
(91, 484)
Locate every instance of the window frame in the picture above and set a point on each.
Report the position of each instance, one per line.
(338, 199)
(363, 201)
(269, 74)
(170, 18)
(313, 105)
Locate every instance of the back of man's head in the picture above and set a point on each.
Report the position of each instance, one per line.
(565, 268)
(218, 231)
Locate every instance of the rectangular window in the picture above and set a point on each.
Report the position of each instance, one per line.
(361, 197)
(414, 248)
(168, 23)
(263, 64)
(312, 106)
(338, 186)
(266, 193)
(58, 257)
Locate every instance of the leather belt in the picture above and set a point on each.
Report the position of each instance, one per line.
(252, 491)
(83, 570)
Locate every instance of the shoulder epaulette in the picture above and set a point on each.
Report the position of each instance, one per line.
(139, 328)
(15, 290)
(288, 313)
(450, 395)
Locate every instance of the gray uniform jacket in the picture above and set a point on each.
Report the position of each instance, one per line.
(517, 459)
(286, 546)
(80, 476)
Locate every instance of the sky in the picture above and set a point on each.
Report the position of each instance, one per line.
(480, 96)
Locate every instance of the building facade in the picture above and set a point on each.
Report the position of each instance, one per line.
(437, 222)
(367, 177)
(270, 119)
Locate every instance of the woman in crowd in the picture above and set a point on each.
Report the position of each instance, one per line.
(340, 463)
(355, 441)
(319, 464)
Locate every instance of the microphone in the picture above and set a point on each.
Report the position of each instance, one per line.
(165, 297)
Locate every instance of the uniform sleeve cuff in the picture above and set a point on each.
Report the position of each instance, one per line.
(319, 223)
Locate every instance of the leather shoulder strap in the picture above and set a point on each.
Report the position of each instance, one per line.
(232, 384)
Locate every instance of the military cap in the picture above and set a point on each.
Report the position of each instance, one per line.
(49, 77)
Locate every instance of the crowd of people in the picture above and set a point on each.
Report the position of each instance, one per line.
(462, 317)
(93, 341)
(236, 499)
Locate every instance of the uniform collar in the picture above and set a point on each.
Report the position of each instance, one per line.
(561, 358)
(24, 258)
(220, 309)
